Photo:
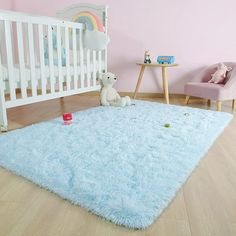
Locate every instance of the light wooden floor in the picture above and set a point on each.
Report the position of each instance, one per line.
(206, 205)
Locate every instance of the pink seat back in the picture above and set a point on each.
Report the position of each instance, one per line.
(206, 76)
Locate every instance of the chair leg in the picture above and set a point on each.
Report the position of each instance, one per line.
(234, 104)
(187, 100)
(218, 105)
(208, 102)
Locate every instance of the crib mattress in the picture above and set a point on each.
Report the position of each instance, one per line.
(16, 71)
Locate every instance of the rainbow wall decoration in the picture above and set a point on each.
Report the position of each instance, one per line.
(90, 20)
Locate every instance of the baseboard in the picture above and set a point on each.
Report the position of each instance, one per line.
(139, 95)
(151, 95)
(130, 94)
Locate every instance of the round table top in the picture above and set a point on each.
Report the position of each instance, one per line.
(156, 64)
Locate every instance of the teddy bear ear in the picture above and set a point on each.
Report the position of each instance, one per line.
(100, 76)
(99, 79)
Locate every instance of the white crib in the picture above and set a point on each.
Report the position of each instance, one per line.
(26, 77)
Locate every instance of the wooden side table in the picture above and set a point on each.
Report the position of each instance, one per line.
(164, 78)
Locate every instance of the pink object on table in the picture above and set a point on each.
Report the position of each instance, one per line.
(67, 118)
(199, 86)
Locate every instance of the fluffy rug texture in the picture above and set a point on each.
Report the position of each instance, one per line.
(120, 163)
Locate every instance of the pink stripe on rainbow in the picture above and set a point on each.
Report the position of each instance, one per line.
(91, 19)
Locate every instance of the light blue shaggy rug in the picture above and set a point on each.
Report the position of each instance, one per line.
(120, 163)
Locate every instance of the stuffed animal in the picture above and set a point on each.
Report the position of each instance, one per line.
(147, 57)
(220, 74)
(109, 96)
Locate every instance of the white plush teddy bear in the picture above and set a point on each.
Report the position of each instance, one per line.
(109, 96)
(219, 76)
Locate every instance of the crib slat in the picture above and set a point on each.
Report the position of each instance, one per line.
(104, 68)
(10, 60)
(68, 78)
(88, 68)
(23, 82)
(81, 57)
(99, 61)
(3, 113)
(1, 76)
(59, 58)
(75, 59)
(105, 60)
(41, 57)
(94, 68)
(51, 63)
(32, 59)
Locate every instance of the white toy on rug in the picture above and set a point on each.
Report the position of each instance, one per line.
(220, 75)
(109, 96)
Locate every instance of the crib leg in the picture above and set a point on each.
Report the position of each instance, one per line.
(3, 114)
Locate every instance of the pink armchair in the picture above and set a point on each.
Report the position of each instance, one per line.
(199, 87)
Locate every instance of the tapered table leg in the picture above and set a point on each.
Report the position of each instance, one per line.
(165, 85)
(218, 105)
(139, 80)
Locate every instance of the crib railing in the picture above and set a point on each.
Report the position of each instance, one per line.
(24, 41)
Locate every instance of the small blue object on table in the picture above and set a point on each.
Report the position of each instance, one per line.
(165, 59)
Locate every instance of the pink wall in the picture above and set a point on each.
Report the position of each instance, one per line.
(197, 32)
(6, 4)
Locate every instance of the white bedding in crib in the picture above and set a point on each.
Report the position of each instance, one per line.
(16, 71)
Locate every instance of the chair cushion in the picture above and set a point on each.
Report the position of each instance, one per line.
(206, 90)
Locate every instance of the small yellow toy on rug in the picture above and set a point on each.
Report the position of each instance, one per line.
(109, 96)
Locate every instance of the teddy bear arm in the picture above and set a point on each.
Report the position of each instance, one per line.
(103, 98)
(117, 95)
(212, 79)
